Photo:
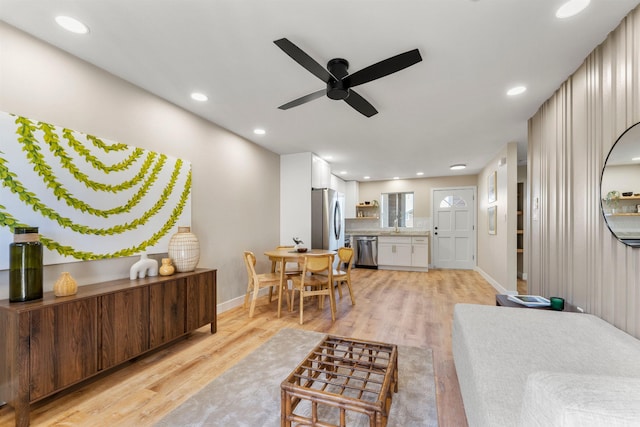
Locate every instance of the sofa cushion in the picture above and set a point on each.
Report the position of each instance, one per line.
(561, 399)
(495, 349)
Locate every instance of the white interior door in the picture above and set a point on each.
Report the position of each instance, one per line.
(454, 228)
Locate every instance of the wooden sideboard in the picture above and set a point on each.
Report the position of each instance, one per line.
(50, 344)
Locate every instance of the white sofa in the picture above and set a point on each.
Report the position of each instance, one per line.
(527, 367)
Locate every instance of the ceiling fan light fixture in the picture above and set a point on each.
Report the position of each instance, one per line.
(339, 82)
(457, 167)
(71, 24)
(517, 90)
(571, 8)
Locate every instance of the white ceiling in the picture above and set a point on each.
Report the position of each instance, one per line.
(449, 108)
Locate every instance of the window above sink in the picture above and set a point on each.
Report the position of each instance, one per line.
(396, 210)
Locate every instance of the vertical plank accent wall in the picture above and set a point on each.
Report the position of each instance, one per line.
(571, 251)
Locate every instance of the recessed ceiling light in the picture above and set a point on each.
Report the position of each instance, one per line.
(259, 131)
(197, 96)
(343, 172)
(72, 24)
(367, 177)
(420, 173)
(571, 8)
(635, 159)
(516, 90)
(328, 157)
(396, 177)
(457, 167)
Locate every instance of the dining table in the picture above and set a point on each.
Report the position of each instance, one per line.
(284, 255)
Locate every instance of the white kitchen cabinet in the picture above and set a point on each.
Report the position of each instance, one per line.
(403, 253)
(320, 173)
(385, 253)
(394, 251)
(420, 252)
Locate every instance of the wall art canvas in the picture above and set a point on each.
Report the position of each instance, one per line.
(491, 187)
(492, 216)
(90, 197)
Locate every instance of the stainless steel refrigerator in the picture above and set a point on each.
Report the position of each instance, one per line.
(327, 220)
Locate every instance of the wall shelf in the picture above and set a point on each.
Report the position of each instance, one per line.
(366, 211)
(520, 230)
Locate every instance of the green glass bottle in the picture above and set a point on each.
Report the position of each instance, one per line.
(25, 265)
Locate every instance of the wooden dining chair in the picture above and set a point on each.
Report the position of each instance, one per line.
(342, 274)
(257, 281)
(312, 283)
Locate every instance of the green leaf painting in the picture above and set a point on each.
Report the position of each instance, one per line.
(91, 198)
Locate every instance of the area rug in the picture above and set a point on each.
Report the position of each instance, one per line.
(248, 394)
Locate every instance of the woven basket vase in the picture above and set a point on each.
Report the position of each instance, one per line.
(184, 250)
(65, 285)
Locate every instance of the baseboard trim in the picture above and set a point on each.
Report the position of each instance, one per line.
(238, 301)
(498, 287)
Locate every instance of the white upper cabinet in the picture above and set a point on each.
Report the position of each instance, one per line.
(320, 173)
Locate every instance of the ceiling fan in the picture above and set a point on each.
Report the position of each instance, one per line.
(339, 81)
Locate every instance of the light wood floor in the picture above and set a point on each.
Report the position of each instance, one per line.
(405, 308)
(522, 287)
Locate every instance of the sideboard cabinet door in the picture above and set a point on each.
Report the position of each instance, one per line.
(201, 301)
(166, 311)
(124, 325)
(63, 345)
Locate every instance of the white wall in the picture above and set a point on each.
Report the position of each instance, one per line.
(295, 197)
(235, 192)
(497, 257)
(421, 188)
(621, 178)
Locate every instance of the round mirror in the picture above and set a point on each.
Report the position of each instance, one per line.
(620, 188)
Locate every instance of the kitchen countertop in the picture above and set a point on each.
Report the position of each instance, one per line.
(388, 232)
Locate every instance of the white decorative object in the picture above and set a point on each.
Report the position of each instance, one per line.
(143, 267)
(184, 250)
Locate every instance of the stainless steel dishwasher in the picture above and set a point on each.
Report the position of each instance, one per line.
(366, 251)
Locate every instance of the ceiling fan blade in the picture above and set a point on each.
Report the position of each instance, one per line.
(303, 59)
(383, 68)
(360, 104)
(303, 99)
